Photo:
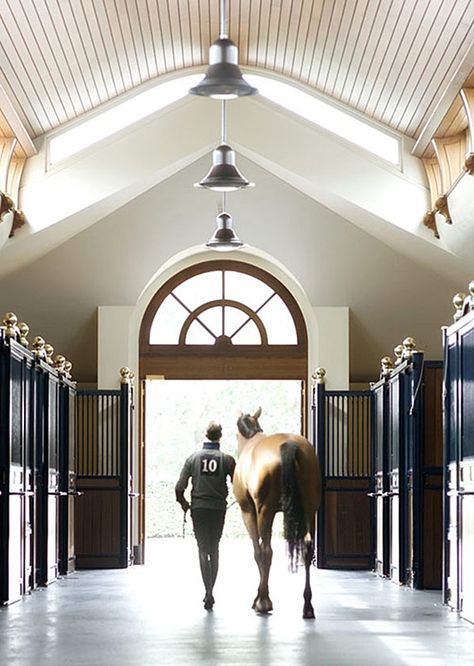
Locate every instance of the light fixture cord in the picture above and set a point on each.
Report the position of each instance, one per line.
(223, 20)
(223, 123)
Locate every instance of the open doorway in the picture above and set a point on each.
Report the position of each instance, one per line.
(177, 413)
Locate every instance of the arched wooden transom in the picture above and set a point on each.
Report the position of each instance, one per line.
(223, 319)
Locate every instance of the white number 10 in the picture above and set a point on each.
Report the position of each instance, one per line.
(209, 465)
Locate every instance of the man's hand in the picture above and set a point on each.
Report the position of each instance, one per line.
(182, 500)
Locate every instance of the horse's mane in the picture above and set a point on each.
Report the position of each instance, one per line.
(248, 426)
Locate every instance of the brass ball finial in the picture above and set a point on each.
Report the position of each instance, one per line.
(68, 369)
(125, 377)
(11, 329)
(398, 351)
(49, 349)
(38, 345)
(24, 330)
(469, 163)
(458, 302)
(319, 376)
(409, 346)
(59, 363)
(387, 366)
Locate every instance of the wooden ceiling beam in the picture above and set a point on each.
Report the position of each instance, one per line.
(446, 100)
(17, 127)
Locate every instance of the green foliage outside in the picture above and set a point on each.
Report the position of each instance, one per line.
(177, 413)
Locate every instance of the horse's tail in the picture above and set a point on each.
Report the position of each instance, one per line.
(294, 520)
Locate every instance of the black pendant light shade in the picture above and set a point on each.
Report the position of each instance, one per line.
(224, 237)
(224, 175)
(223, 79)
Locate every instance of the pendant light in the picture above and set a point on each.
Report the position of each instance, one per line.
(223, 79)
(224, 237)
(224, 175)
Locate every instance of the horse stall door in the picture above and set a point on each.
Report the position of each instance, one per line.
(67, 476)
(382, 560)
(47, 434)
(431, 479)
(466, 472)
(345, 518)
(30, 481)
(12, 411)
(102, 512)
(396, 479)
(452, 350)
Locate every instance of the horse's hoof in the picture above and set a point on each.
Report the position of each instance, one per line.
(208, 602)
(308, 614)
(263, 606)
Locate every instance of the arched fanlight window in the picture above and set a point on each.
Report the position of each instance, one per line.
(223, 309)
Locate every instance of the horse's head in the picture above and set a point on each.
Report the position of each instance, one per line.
(248, 426)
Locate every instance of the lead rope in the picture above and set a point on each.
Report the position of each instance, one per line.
(184, 524)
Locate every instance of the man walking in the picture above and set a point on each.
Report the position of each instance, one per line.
(208, 470)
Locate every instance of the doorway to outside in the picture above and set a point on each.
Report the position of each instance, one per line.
(177, 413)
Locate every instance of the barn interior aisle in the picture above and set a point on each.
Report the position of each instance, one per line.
(153, 615)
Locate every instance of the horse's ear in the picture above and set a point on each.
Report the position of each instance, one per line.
(257, 414)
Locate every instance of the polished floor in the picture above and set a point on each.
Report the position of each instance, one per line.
(153, 615)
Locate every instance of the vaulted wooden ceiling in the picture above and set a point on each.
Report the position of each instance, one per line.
(401, 62)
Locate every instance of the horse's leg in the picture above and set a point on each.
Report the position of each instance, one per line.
(308, 610)
(250, 522)
(265, 516)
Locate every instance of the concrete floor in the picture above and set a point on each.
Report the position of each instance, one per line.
(153, 615)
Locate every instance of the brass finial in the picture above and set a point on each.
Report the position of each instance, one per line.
(387, 366)
(24, 330)
(38, 345)
(19, 220)
(6, 204)
(441, 205)
(68, 369)
(11, 329)
(429, 220)
(471, 295)
(59, 364)
(398, 351)
(458, 302)
(319, 376)
(409, 346)
(125, 375)
(469, 164)
(49, 349)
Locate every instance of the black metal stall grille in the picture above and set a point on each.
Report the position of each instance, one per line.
(98, 433)
(348, 435)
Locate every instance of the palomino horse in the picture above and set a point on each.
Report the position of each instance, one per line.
(277, 473)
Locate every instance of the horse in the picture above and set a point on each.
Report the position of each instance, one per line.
(274, 473)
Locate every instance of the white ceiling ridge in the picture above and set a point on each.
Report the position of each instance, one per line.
(17, 127)
(451, 91)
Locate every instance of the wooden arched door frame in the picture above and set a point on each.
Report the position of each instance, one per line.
(222, 360)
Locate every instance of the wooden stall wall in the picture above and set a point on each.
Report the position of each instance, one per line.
(459, 461)
(409, 476)
(31, 443)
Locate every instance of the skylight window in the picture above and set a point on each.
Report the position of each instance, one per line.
(118, 117)
(329, 117)
(324, 114)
